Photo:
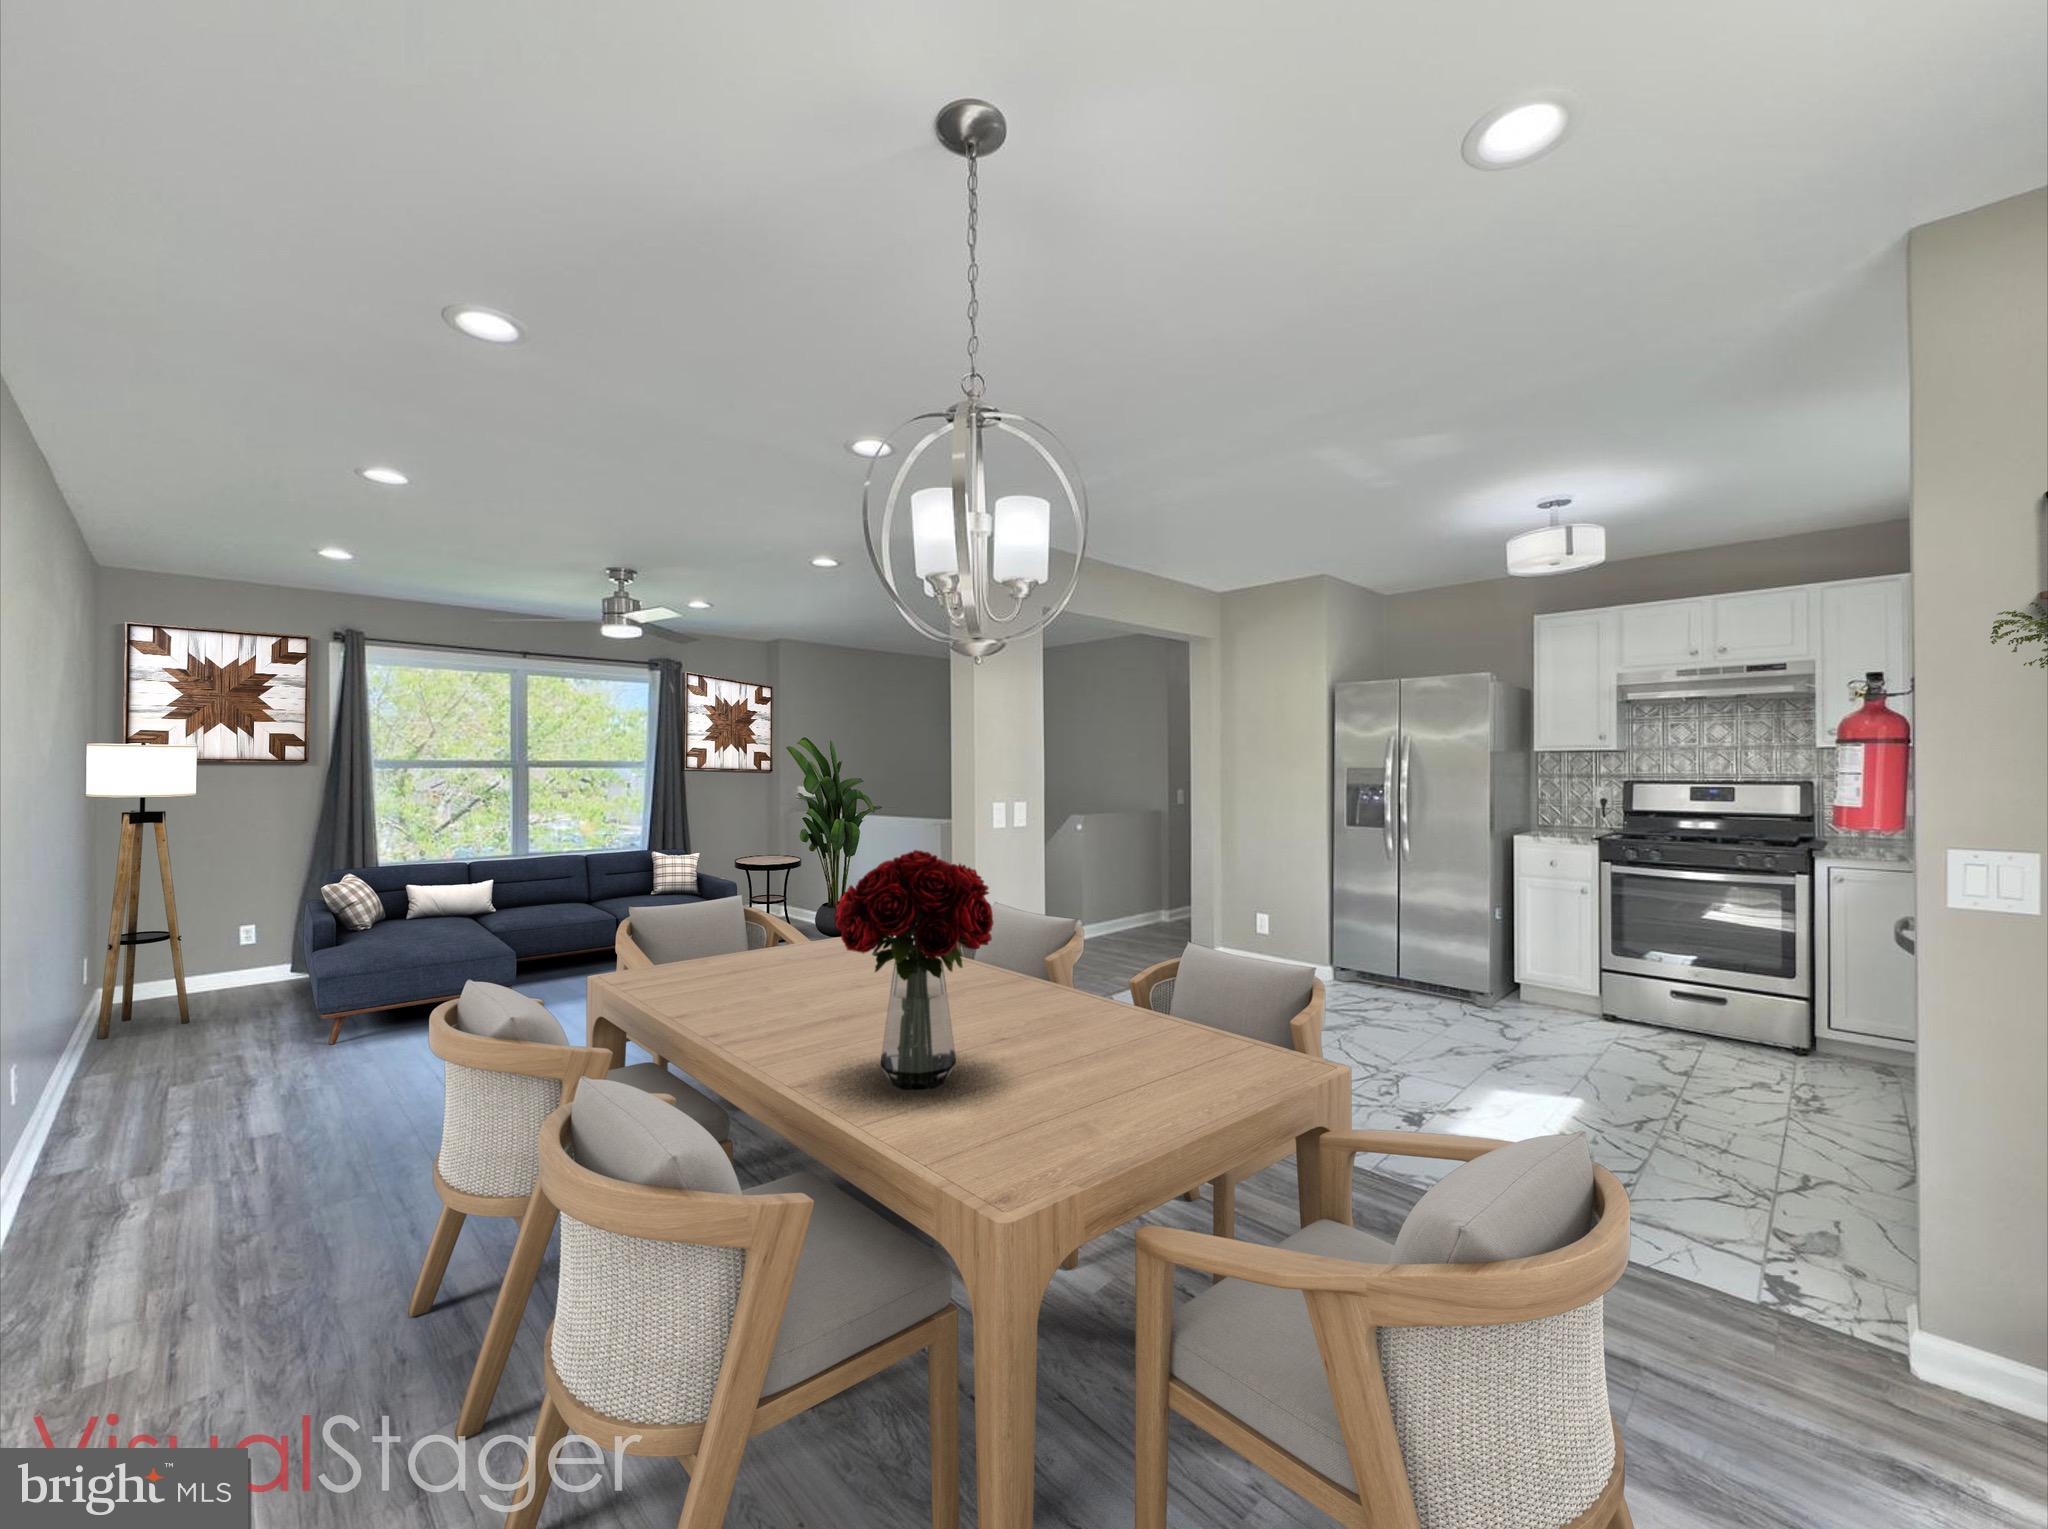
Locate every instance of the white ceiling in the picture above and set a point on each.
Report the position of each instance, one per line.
(1230, 253)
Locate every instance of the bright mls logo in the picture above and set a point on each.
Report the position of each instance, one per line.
(156, 1488)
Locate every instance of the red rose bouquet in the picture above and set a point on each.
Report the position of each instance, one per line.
(917, 913)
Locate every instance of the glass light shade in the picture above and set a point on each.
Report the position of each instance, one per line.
(931, 532)
(619, 629)
(1557, 549)
(141, 769)
(1023, 539)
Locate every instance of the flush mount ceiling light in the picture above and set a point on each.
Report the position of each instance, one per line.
(1556, 548)
(389, 477)
(486, 324)
(980, 567)
(869, 446)
(337, 554)
(1515, 135)
(821, 561)
(698, 605)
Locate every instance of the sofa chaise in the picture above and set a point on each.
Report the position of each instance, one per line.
(546, 905)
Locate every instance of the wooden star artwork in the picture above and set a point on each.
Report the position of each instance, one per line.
(240, 696)
(729, 724)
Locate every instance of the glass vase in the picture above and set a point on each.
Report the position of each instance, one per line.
(917, 1044)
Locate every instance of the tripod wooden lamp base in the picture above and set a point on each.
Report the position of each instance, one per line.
(141, 771)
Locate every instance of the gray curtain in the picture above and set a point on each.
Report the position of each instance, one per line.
(347, 835)
(668, 816)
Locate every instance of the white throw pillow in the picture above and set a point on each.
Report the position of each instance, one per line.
(674, 873)
(462, 900)
(353, 902)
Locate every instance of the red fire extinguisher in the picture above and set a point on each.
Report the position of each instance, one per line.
(1871, 748)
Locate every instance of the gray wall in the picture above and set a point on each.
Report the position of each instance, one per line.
(1485, 627)
(1116, 741)
(47, 920)
(1980, 461)
(998, 755)
(240, 845)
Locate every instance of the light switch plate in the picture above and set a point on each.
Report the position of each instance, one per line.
(1994, 880)
(1000, 815)
(1262, 924)
(1017, 816)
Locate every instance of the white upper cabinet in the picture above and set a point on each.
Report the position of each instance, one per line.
(1762, 626)
(1576, 706)
(1663, 635)
(1865, 624)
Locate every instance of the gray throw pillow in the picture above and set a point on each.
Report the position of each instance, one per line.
(685, 931)
(1517, 1201)
(499, 1014)
(632, 1136)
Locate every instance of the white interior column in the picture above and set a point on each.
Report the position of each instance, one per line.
(999, 765)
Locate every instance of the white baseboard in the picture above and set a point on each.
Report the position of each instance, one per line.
(1132, 921)
(21, 1162)
(214, 982)
(1327, 973)
(1976, 1372)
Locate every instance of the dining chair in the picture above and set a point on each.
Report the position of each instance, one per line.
(1035, 944)
(1453, 1379)
(690, 1317)
(718, 926)
(1271, 1001)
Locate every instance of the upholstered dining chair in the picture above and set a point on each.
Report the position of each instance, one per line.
(1269, 1001)
(1035, 944)
(507, 1064)
(718, 926)
(1453, 1379)
(690, 1317)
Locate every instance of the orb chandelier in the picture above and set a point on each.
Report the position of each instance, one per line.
(1556, 548)
(983, 569)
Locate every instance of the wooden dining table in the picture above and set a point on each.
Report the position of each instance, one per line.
(1066, 1116)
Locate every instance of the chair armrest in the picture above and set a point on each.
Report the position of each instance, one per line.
(1059, 966)
(1307, 1027)
(709, 886)
(630, 957)
(320, 928)
(1151, 977)
(1281, 1268)
(779, 932)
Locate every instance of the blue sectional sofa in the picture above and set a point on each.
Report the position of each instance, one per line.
(547, 905)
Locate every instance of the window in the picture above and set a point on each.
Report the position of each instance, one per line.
(486, 756)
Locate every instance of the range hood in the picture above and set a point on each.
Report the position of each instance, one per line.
(1709, 681)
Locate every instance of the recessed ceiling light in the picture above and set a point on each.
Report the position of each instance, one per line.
(822, 561)
(1516, 134)
(390, 477)
(868, 446)
(698, 605)
(337, 554)
(482, 323)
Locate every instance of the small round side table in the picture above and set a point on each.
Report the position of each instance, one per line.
(768, 865)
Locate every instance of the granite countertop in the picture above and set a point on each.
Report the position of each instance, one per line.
(1897, 851)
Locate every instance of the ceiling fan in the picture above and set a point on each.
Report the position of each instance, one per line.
(620, 614)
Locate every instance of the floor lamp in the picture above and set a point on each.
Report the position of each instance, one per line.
(140, 770)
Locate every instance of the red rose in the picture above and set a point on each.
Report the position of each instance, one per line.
(967, 882)
(935, 935)
(931, 884)
(881, 876)
(973, 919)
(890, 907)
(856, 928)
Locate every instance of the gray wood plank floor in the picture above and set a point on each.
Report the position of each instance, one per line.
(226, 1223)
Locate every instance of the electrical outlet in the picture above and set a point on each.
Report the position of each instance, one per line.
(1001, 815)
(248, 934)
(1017, 818)
(1263, 924)
(1180, 796)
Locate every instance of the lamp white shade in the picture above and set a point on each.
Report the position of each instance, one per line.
(931, 532)
(141, 769)
(1557, 549)
(1023, 539)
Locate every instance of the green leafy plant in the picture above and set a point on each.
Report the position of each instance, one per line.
(833, 810)
(2025, 628)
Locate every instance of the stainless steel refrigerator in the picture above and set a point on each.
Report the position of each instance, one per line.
(1432, 784)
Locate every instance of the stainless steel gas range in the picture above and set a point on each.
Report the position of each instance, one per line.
(1706, 898)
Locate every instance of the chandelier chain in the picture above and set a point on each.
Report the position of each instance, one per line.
(971, 383)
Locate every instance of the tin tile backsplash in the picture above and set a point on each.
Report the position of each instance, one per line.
(1738, 738)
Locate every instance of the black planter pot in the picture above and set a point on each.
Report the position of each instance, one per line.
(827, 920)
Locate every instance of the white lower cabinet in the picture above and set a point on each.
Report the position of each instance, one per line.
(1557, 916)
(1863, 989)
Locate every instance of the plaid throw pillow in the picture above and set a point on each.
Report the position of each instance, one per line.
(353, 902)
(674, 873)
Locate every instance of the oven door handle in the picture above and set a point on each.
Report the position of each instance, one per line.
(1768, 877)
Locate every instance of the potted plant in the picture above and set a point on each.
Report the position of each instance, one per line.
(917, 913)
(833, 810)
